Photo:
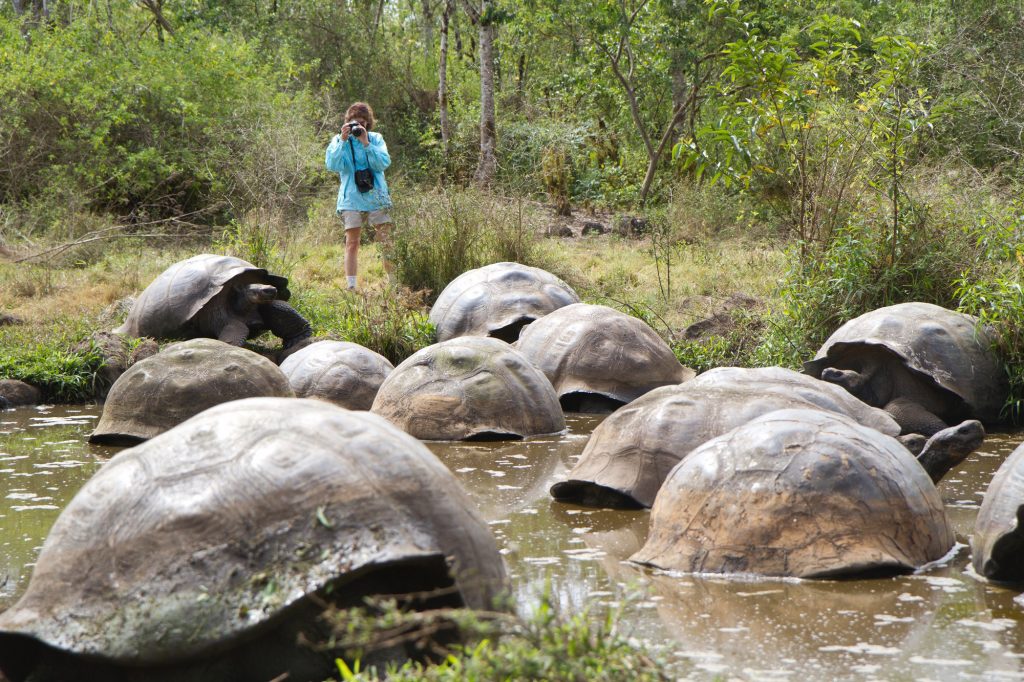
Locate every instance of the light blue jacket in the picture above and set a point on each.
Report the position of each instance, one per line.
(374, 157)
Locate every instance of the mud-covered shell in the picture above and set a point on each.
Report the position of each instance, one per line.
(948, 347)
(632, 451)
(185, 544)
(997, 546)
(803, 493)
(594, 349)
(340, 372)
(182, 380)
(469, 387)
(497, 300)
(166, 308)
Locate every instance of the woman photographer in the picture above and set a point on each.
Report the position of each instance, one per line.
(360, 158)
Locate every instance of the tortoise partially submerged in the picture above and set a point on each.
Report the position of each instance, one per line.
(927, 366)
(598, 358)
(469, 388)
(804, 493)
(497, 300)
(206, 552)
(219, 297)
(631, 452)
(340, 372)
(997, 546)
(185, 378)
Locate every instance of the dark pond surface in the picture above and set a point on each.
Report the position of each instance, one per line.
(940, 624)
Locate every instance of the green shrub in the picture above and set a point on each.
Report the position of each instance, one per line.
(391, 323)
(439, 236)
(544, 646)
(194, 127)
(63, 375)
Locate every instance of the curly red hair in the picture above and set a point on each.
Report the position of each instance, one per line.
(361, 110)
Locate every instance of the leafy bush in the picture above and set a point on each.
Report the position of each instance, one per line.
(189, 128)
(61, 373)
(394, 325)
(439, 236)
(545, 646)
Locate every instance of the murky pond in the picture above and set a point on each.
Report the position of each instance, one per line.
(941, 624)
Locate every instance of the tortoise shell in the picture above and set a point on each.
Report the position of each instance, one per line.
(949, 348)
(169, 307)
(470, 387)
(182, 380)
(804, 493)
(593, 350)
(631, 452)
(997, 545)
(497, 300)
(236, 520)
(340, 372)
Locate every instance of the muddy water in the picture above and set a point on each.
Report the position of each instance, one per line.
(942, 624)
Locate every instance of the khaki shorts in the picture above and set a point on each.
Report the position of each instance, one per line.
(354, 219)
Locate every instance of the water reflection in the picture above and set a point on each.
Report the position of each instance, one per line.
(943, 624)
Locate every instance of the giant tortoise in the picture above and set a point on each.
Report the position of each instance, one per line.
(185, 378)
(497, 300)
(219, 297)
(598, 358)
(997, 545)
(340, 372)
(208, 552)
(469, 388)
(804, 493)
(927, 366)
(631, 452)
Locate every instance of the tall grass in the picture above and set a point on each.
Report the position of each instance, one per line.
(439, 235)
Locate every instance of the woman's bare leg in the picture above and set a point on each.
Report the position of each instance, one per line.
(352, 251)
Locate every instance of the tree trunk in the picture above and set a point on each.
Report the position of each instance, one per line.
(488, 163)
(19, 7)
(442, 81)
(428, 30)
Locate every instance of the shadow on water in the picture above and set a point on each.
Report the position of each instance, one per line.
(942, 624)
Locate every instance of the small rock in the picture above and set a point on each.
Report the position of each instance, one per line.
(14, 393)
(591, 227)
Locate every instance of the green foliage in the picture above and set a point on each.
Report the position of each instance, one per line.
(95, 116)
(391, 323)
(63, 374)
(545, 646)
(438, 236)
(999, 303)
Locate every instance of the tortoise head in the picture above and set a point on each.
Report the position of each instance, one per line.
(257, 294)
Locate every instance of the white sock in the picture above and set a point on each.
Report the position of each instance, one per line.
(351, 281)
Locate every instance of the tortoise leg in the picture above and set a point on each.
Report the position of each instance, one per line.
(914, 417)
(235, 332)
(950, 446)
(286, 322)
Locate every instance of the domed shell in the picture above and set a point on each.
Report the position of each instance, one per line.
(469, 387)
(246, 514)
(339, 372)
(948, 347)
(631, 452)
(593, 350)
(180, 381)
(803, 493)
(497, 300)
(168, 305)
(997, 546)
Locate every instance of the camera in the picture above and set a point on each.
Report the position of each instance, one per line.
(355, 129)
